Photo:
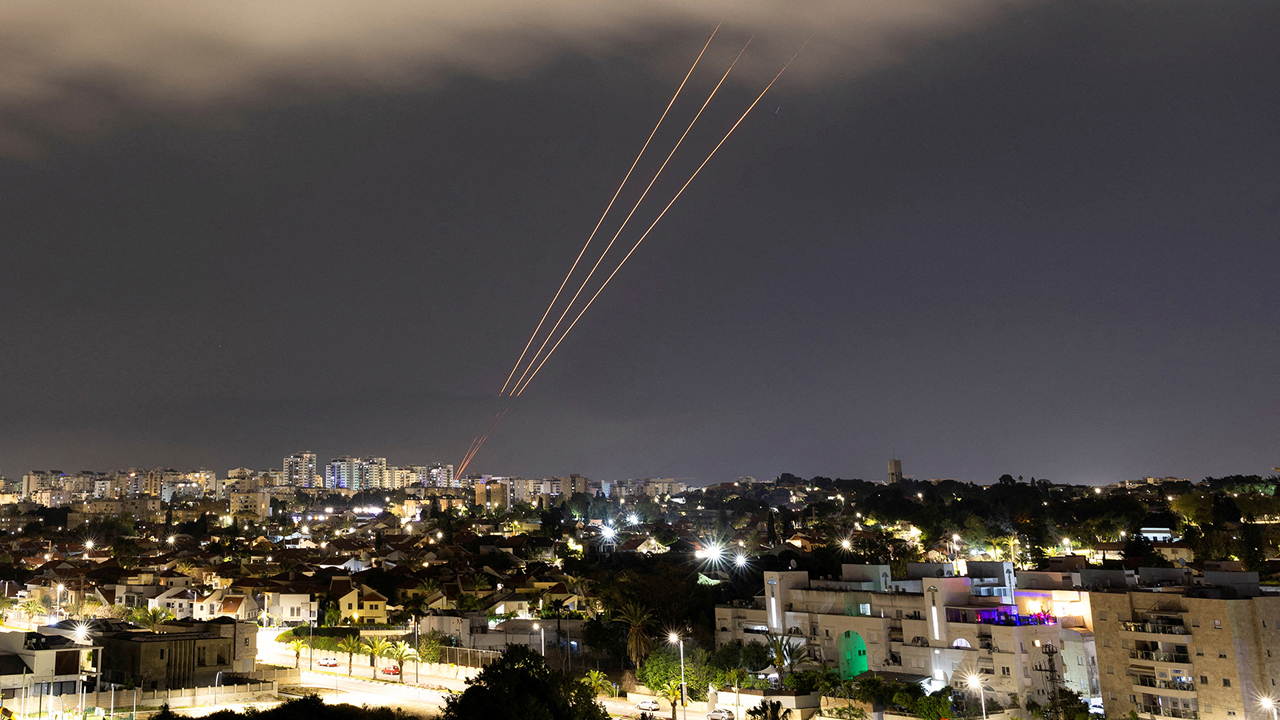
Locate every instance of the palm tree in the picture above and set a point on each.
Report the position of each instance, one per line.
(150, 618)
(350, 645)
(297, 645)
(466, 602)
(785, 652)
(401, 652)
(637, 617)
(376, 647)
(31, 608)
(670, 691)
(598, 682)
(556, 608)
(6, 604)
(769, 710)
(429, 587)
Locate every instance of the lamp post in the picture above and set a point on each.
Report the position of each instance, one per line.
(1268, 704)
(217, 679)
(543, 645)
(677, 640)
(975, 683)
(57, 608)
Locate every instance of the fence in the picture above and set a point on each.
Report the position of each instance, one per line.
(125, 700)
(467, 657)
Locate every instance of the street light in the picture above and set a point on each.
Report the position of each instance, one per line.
(543, 631)
(975, 683)
(1268, 704)
(675, 639)
(57, 610)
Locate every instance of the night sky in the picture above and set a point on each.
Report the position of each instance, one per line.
(1030, 238)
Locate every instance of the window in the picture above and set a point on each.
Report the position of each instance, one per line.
(1221, 655)
(1102, 616)
(1204, 679)
(246, 642)
(1217, 624)
(161, 653)
(1111, 670)
(348, 606)
(1133, 698)
(1106, 642)
(1226, 682)
(1004, 671)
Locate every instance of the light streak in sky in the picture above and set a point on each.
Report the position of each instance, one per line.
(635, 207)
(606, 212)
(480, 441)
(565, 334)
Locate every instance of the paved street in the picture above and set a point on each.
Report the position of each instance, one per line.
(368, 685)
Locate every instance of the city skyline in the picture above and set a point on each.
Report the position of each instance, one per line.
(1027, 238)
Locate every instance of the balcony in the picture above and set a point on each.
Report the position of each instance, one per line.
(1161, 711)
(1154, 628)
(1150, 682)
(1160, 656)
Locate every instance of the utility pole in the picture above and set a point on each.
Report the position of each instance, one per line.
(1050, 668)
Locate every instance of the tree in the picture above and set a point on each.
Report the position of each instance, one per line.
(670, 691)
(376, 647)
(150, 618)
(637, 618)
(598, 682)
(401, 652)
(466, 602)
(769, 710)
(520, 686)
(297, 645)
(350, 645)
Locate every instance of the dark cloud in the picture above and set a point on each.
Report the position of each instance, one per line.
(1036, 239)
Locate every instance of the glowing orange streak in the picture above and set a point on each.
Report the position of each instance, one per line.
(628, 218)
(655, 222)
(467, 455)
(606, 213)
(497, 420)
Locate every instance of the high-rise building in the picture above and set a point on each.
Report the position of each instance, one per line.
(895, 471)
(300, 469)
(493, 493)
(442, 476)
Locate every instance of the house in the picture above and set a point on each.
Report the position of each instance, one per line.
(59, 662)
(359, 604)
(224, 603)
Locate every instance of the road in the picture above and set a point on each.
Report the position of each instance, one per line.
(367, 685)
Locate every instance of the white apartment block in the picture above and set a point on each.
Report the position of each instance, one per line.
(934, 625)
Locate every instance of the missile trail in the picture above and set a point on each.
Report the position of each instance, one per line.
(480, 441)
(643, 195)
(496, 422)
(521, 388)
(606, 211)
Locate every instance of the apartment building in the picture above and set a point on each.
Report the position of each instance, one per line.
(1207, 647)
(933, 625)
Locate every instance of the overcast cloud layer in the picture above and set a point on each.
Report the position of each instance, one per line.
(79, 66)
(1036, 238)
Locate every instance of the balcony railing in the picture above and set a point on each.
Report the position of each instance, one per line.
(1147, 681)
(1172, 712)
(1158, 628)
(1159, 656)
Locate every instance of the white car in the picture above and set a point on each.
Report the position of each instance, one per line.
(327, 662)
(648, 705)
(720, 714)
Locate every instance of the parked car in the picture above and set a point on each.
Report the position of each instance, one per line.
(327, 662)
(720, 714)
(391, 670)
(647, 705)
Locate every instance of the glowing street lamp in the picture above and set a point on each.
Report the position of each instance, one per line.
(740, 560)
(1268, 704)
(88, 544)
(975, 683)
(543, 631)
(675, 639)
